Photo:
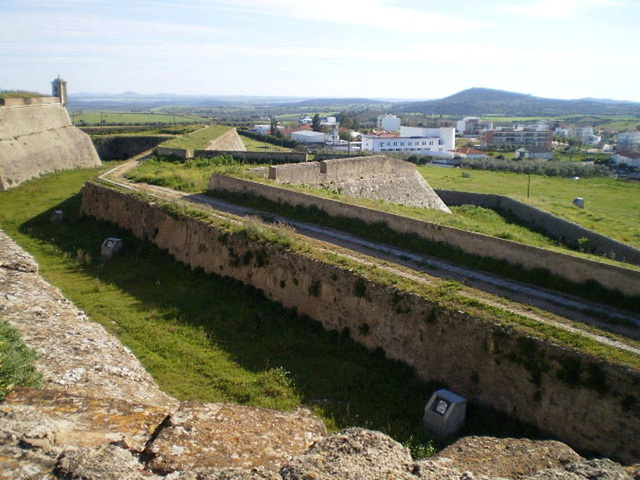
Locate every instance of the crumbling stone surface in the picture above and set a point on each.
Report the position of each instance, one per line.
(598, 469)
(18, 463)
(503, 457)
(354, 453)
(109, 462)
(224, 435)
(258, 473)
(53, 419)
(75, 354)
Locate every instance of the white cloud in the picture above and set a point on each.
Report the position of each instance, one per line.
(558, 8)
(384, 14)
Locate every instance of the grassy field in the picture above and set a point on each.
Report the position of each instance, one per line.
(258, 146)
(612, 207)
(111, 117)
(198, 140)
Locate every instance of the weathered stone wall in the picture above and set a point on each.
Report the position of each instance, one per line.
(176, 152)
(578, 398)
(551, 225)
(38, 139)
(574, 269)
(121, 147)
(274, 157)
(375, 177)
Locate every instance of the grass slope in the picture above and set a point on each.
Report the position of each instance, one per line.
(199, 139)
(612, 206)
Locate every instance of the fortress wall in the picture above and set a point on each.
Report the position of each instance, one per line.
(351, 168)
(29, 119)
(572, 268)
(375, 177)
(230, 141)
(176, 152)
(38, 139)
(33, 155)
(551, 225)
(274, 157)
(121, 147)
(303, 173)
(590, 404)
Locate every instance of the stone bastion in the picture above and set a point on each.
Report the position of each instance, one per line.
(36, 137)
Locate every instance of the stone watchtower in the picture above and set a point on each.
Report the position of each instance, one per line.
(59, 90)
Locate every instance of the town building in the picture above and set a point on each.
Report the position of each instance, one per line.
(629, 142)
(307, 136)
(472, 126)
(389, 123)
(536, 141)
(470, 153)
(416, 140)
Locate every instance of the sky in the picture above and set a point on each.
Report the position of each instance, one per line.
(402, 49)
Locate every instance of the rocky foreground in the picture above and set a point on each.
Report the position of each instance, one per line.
(100, 415)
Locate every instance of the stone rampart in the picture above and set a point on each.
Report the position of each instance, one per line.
(17, 102)
(551, 225)
(578, 398)
(375, 177)
(175, 152)
(229, 140)
(574, 269)
(121, 147)
(38, 139)
(274, 157)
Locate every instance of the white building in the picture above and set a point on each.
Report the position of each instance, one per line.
(472, 126)
(390, 123)
(306, 136)
(417, 140)
(629, 141)
(262, 129)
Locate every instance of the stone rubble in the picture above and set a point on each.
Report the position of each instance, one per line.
(100, 415)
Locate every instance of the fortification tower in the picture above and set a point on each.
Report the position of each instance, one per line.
(59, 89)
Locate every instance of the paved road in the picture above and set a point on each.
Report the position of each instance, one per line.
(566, 306)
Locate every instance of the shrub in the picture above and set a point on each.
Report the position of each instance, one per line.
(17, 361)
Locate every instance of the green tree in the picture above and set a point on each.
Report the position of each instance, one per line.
(315, 123)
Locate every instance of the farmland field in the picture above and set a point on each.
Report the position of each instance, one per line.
(95, 117)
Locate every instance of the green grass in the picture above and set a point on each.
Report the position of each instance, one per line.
(258, 146)
(19, 94)
(612, 206)
(17, 361)
(187, 176)
(198, 140)
(205, 337)
(112, 117)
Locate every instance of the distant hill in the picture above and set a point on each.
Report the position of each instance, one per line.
(339, 102)
(484, 101)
